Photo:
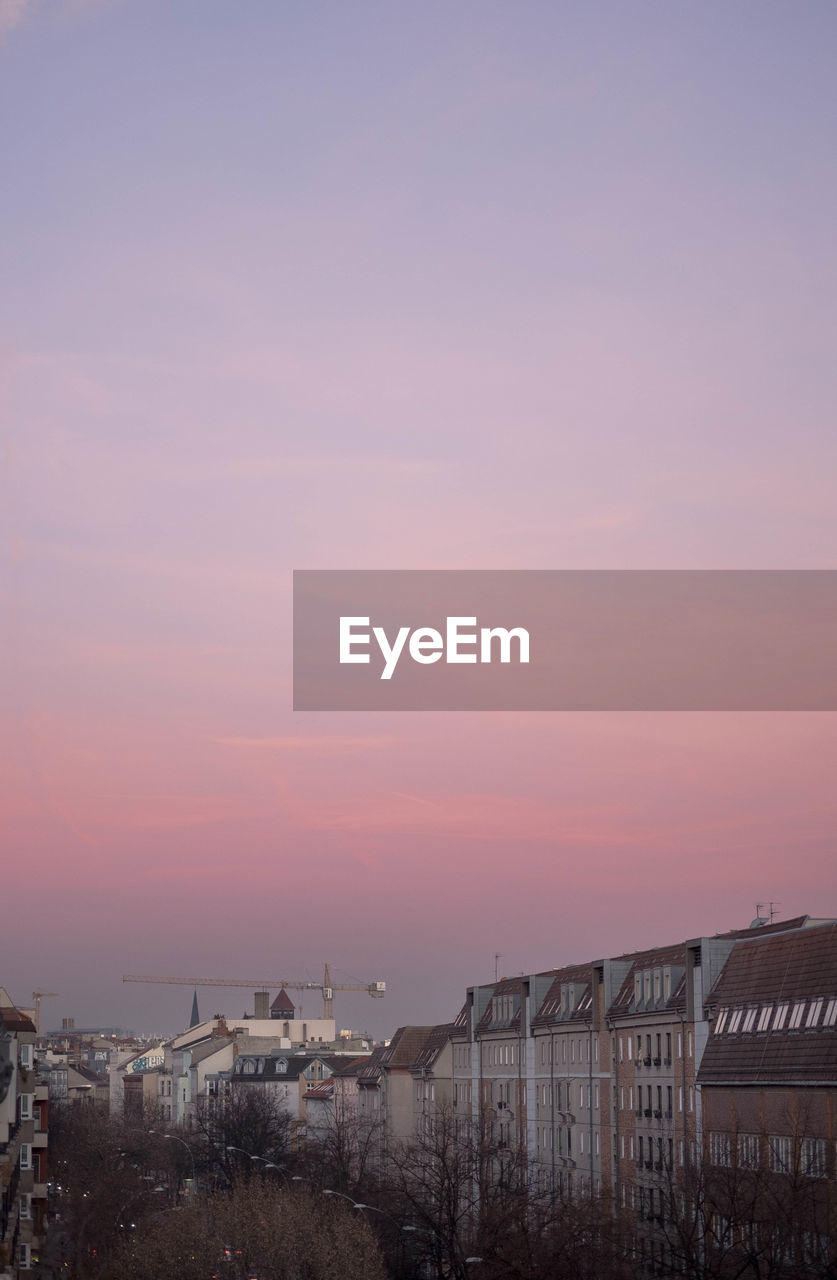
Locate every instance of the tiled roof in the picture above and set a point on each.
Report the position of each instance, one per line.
(552, 1008)
(776, 1011)
(352, 1066)
(371, 1071)
(404, 1046)
(320, 1092)
(673, 957)
(283, 1004)
(433, 1045)
(490, 1021)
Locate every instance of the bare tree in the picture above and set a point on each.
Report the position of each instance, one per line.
(259, 1229)
(248, 1120)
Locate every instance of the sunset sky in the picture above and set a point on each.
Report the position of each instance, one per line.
(394, 285)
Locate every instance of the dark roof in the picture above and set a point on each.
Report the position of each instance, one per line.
(797, 970)
(371, 1070)
(404, 1047)
(283, 1004)
(433, 1045)
(492, 1019)
(14, 1020)
(673, 957)
(553, 1008)
(280, 1066)
(777, 926)
(351, 1066)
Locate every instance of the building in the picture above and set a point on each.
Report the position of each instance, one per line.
(24, 1124)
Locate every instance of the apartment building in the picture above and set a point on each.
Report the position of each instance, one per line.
(24, 1122)
(622, 1074)
(768, 1084)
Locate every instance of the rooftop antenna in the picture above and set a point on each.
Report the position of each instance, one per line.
(773, 906)
(498, 956)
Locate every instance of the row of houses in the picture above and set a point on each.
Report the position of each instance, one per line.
(621, 1075)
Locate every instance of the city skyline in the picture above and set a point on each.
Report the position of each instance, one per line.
(550, 288)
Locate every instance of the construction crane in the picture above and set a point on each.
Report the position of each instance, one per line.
(38, 996)
(375, 989)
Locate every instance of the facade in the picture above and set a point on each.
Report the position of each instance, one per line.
(630, 1076)
(24, 1122)
(768, 1085)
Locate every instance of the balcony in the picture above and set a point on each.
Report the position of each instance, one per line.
(40, 1138)
(667, 1062)
(647, 1061)
(647, 1113)
(638, 1111)
(649, 1164)
(658, 1115)
(658, 1062)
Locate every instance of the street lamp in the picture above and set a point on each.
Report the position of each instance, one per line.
(173, 1136)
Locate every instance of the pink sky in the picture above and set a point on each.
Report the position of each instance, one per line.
(551, 289)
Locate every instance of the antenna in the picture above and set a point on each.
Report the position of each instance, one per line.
(773, 906)
(498, 956)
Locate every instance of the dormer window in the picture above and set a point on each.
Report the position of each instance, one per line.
(658, 983)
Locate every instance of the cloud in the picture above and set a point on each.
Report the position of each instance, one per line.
(12, 13)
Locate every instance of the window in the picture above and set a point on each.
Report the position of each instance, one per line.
(764, 1018)
(748, 1150)
(795, 1019)
(780, 1155)
(26, 1155)
(24, 1257)
(719, 1149)
(735, 1020)
(668, 1046)
(830, 1014)
(26, 1056)
(25, 1102)
(720, 1022)
(779, 1018)
(813, 1157)
(630, 1048)
(26, 1205)
(814, 1013)
(749, 1019)
(596, 1096)
(690, 1044)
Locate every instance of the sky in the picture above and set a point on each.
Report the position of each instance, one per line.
(393, 286)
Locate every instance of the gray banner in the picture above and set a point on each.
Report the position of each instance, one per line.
(563, 640)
